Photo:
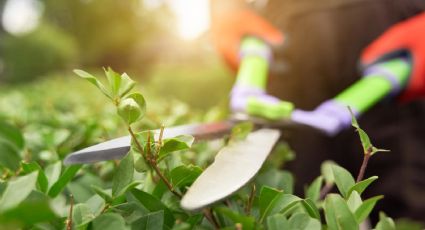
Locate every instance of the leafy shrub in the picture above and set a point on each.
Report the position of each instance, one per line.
(143, 190)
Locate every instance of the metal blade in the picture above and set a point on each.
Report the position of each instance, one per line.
(234, 166)
(119, 147)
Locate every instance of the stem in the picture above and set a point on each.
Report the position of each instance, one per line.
(210, 217)
(107, 205)
(366, 157)
(250, 200)
(152, 162)
(69, 220)
(325, 190)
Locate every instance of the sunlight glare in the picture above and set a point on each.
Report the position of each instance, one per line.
(192, 17)
(21, 16)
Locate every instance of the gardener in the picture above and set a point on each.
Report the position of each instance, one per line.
(319, 45)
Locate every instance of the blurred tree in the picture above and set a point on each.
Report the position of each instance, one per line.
(28, 56)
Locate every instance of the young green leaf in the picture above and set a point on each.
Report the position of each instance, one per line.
(311, 208)
(42, 181)
(365, 208)
(114, 80)
(82, 216)
(140, 100)
(105, 194)
(337, 214)
(302, 221)
(385, 223)
(327, 173)
(178, 143)
(109, 221)
(17, 190)
(313, 191)
(129, 110)
(53, 172)
(354, 201)
(123, 175)
(92, 79)
(278, 179)
(362, 185)
(277, 222)
(343, 179)
(184, 175)
(152, 204)
(140, 164)
(272, 201)
(151, 221)
(126, 85)
(66, 177)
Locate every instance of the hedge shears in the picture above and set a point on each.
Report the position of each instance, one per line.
(235, 165)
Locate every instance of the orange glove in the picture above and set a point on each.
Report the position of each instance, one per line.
(229, 27)
(405, 37)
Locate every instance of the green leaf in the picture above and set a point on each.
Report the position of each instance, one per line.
(277, 222)
(362, 185)
(36, 208)
(385, 223)
(123, 175)
(343, 179)
(140, 165)
(327, 173)
(66, 177)
(365, 208)
(140, 101)
(178, 143)
(82, 216)
(151, 221)
(241, 130)
(278, 179)
(17, 190)
(11, 134)
(310, 208)
(184, 175)
(313, 191)
(247, 222)
(129, 110)
(106, 195)
(337, 214)
(92, 79)
(272, 201)
(126, 85)
(42, 181)
(153, 204)
(109, 221)
(9, 155)
(302, 221)
(114, 80)
(354, 201)
(142, 138)
(53, 173)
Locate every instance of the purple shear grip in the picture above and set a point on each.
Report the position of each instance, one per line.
(262, 53)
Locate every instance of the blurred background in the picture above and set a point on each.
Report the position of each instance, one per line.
(162, 43)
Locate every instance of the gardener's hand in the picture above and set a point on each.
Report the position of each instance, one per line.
(407, 36)
(230, 25)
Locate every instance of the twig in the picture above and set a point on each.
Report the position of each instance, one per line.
(250, 200)
(71, 207)
(152, 162)
(210, 217)
(366, 158)
(325, 190)
(107, 205)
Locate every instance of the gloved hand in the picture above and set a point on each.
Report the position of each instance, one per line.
(407, 36)
(231, 25)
